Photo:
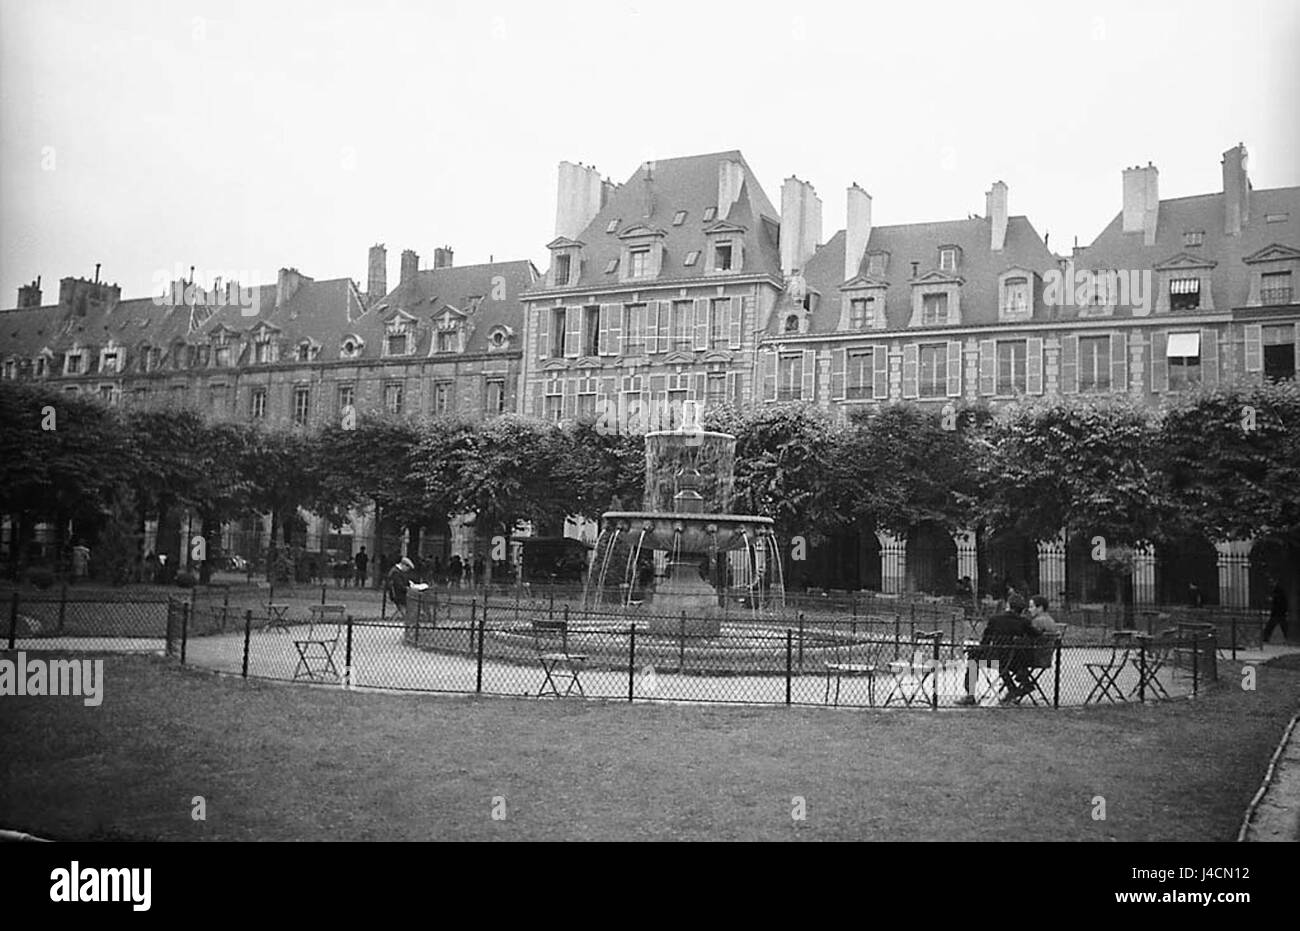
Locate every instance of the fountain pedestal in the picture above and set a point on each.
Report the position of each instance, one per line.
(683, 591)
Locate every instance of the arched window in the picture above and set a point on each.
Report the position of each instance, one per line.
(792, 323)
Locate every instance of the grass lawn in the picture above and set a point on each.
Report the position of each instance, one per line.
(279, 762)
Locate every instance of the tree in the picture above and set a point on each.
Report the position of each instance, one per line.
(1230, 460)
(602, 467)
(276, 465)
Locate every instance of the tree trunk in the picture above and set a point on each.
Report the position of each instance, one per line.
(270, 547)
(211, 531)
(1292, 587)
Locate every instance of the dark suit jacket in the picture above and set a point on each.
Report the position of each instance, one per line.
(1004, 638)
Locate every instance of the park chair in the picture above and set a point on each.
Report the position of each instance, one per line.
(1043, 659)
(1158, 654)
(908, 677)
(1105, 675)
(316, 651)
(560, 666)
(852, 659)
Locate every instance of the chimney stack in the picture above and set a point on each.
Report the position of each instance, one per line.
(857, 231)
(1236, 190)
(995, 208)
(29, 295)
(801, 224)
(410, 266)
(442, 257)
(377, 273)
(287, 284)
(1141, 201)
(580, 195)
(731, 175)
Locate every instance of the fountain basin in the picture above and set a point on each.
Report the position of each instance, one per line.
(690, 533)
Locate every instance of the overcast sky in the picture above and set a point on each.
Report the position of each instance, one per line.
(153, 135)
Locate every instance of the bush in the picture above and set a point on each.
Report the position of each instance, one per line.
(186, 579)
(42, 577)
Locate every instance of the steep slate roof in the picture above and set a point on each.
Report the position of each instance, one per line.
(436, 288)
(323, 311)
(919, 242)
(691, 184)
(1230, 278)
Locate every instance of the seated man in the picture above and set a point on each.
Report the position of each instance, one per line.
(1006, 634)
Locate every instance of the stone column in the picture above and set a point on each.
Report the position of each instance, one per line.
(1051, 567)
(1144, 574)
(893, 562)
(967, 556)
(1234, 572)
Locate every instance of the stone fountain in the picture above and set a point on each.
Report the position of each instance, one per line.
(705, 558)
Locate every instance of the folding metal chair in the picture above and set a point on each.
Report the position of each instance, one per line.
(846, 662)
(1043, 659)
(908, 677)
(1105, 675)
(1157, 655)
(316, 653)
(558, 666)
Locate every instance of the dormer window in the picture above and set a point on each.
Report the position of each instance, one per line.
(563, 268)
(1184, 293)
(72, 364)
(447, 341)
(398, 336)
(639, 264)
(11, 368)
(722, 256)
(862, 313)
(109, 361)
(1015, 297)
(262, 351)
(447, 337)
(948, 259)
(934, 309)
(792, 323)
(221, 354)
(42, 366)
(350, 348)
(499, 339)
(306, 351)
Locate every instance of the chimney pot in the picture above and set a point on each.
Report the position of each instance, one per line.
(995, 207)
(580, 195)
(410, 266)
(857, 230)
(1236, 190)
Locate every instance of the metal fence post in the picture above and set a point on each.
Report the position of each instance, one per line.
(248, 630)
(934, 682)
(63, 606)
(347, 655)
(789, 657)
(898, 632)
(482, 628)
(1056, 685)
(801, 627)
(681, 644)
(383, 602)
(631, 660)
(1234, 636)
(1196, 664)
(322, 594)
(185, 630)
(1142, 671)
(13, 619)
(225, 608)
(564, 631)
(194, 597)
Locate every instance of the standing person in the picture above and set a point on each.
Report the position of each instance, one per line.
(80, 561)
(479, 565)
(362, 563)
(1276, 615)
(399, 582)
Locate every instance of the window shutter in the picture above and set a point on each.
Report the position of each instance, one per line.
(880, 375)
(733, 388)
(724, 324)
(572, 332)
(538, 401)
(1254, 347)
(911, 370)
(701, 323)
(615, 329)
(1070, 365)
(736, 335)
(839, 365)
(988, 367)
(603, 330)
(1210, 358)
(570, 398)
(651, 327)
(769, 376)
(701, 386)
(1119, 363)
(1159, 361)
(543, 333)
(954, 369)
(808, 391)
(1034, 365)
(665, 325)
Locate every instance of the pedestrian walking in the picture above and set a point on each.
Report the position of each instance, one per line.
(1276, 615)
(362, 562)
